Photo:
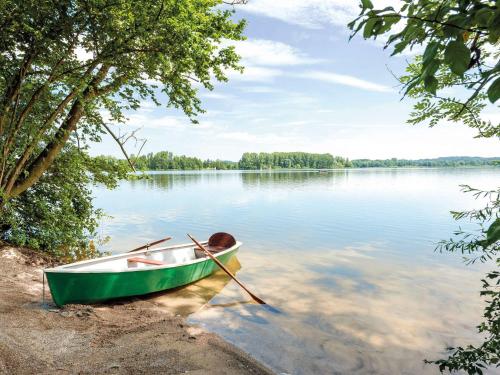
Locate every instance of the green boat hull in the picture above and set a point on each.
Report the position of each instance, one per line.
(93, 287)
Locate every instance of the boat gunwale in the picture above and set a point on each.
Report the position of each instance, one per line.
(62, 269)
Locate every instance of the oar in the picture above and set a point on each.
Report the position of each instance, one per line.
(256, 299)
(150, 244)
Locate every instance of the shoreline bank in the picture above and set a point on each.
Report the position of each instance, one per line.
(130, 336)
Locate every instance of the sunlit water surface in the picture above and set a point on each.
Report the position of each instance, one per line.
(346, 256)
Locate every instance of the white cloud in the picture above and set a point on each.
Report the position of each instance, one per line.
(311, 13)
(261, 59)
(254, 74)
(215, 95)
(263, 141)
(270, 53)
(150, 121)
(147, 106)
(346, 80)
(259, 89)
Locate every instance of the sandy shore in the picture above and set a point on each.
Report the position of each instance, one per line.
(129, 337)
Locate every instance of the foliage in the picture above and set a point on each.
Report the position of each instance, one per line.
(483, 245)
(460, 56)
(251, 160)
(165, 160)
(449, 161)
(455, 79)
(68, 65)
(56, 215)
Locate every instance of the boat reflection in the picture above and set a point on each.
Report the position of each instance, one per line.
(191, 298)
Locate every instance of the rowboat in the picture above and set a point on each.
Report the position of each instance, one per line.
(137, 273)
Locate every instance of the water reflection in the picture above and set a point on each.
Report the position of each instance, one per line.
(347, 256)
(291, 178)
(366, 316)
(193, 297)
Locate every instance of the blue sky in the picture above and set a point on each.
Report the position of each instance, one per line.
(305, 88)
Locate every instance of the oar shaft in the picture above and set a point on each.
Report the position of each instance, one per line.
(150, 244)
(223, 267)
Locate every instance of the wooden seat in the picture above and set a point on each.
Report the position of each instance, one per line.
(214, 249)
(145, 261)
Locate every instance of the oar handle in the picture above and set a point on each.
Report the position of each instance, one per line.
(150, 244)
(219, 263)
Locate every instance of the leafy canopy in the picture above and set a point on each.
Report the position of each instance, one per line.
(66, 63)
(67, 67)
(459, 41)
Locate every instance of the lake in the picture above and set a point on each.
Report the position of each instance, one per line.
(347, 256)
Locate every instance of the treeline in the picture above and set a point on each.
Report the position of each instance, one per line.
(293, 160)
(165, 160)
(450, 161)
(298, 160)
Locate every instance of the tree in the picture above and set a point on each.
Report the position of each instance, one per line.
(459, 39)
(67, 67)
(56, 214)
(48, 94)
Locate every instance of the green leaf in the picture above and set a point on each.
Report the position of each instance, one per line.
(368, 30)
(411, 84)
(483, 16)
(430, 68)
(399, 47)
(493, 233)
(494, 91)
(366, 4)
(457, 56)
(430, 52)
(431, 84)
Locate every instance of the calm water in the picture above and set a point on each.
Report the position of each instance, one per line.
(347, 256)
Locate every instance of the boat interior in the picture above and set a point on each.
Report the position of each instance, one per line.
(165, 256)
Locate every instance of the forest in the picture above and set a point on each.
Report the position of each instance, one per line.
(450, 161)
(166, 160)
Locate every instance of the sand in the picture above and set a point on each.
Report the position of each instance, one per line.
(132, 336)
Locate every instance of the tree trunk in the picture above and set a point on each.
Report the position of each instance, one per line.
(46, 158)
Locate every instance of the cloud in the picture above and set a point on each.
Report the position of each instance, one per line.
(150, 121)
(346, 80)
(254, 74)
(215, 95)
(276, 141)
(263, 52)
(262, 59)
(259, 89)
(312, 14)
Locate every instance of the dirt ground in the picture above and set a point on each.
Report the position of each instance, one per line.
(127, 337)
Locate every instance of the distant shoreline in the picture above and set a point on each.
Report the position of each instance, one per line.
(166, 161)
(318, 169)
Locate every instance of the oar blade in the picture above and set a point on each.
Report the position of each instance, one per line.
(218, 262)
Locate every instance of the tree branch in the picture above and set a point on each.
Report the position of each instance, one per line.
(121, 144)
(47, 156)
